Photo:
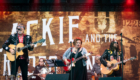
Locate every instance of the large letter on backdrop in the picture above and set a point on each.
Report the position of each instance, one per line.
(61, 30)
(28, 25)
(71, 26)
(46, 28)
(14, 28)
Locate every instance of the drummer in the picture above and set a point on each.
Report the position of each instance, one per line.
(39, 67)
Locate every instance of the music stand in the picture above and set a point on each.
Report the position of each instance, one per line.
(55, 63)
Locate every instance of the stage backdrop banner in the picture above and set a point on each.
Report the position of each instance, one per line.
(96, 29)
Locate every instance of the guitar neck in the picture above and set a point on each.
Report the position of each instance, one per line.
(25, 47)
(77, 59)
(123, 61)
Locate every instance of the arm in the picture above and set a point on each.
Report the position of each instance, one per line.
(30, 41)
(93, 70)
(6, 44)
(103, 57)
(85, 52)
(66, 55)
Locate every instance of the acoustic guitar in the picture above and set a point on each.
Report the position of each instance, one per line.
(114, 66)
(19, 48)
(68, 66)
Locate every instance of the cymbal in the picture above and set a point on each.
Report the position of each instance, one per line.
(31, 68)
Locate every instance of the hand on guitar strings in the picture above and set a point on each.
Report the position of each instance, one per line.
(67, 62)
(12, 51)
(108, 65)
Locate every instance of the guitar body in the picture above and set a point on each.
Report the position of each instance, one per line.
(10, 56)
(109, 71)
(66, 68)
(95, 78)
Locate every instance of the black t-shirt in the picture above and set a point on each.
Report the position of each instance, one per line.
(110, 55)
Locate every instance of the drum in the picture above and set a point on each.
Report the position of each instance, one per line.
(19, 77)
(44, 71)
(34, 77)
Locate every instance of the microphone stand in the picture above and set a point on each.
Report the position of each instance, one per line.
(122, 55)
(71, 59)
(15, 52)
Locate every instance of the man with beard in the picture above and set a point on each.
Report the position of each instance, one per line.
(110, 54)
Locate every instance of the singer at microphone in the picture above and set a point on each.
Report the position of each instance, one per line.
(22, 60)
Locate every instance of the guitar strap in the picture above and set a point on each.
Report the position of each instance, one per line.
(77, 53)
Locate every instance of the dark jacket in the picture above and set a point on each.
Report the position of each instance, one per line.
(12, 40)
(108, 54)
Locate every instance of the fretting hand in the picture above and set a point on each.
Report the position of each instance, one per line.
(67, 62)
(84, 57)
(32, 45)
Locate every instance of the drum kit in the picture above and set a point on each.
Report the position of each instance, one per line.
(42, 75)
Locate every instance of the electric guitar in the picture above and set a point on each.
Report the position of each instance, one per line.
(114, 66)
(95, 78)
(68, 66)
(19, 48)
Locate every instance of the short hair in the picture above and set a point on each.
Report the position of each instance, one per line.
(40, 59)
(97, 57)
(76, 39)
(20, 24)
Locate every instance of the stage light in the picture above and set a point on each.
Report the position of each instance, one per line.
(130, 2)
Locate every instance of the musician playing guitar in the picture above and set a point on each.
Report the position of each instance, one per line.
(96, 68)
(22, 60)
(79, 71)
(111, 54)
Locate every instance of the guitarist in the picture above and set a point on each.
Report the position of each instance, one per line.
(22, 60)
(79, 71)
(110, 54)
(96, 68)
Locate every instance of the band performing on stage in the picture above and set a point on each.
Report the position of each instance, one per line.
(74, 59)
